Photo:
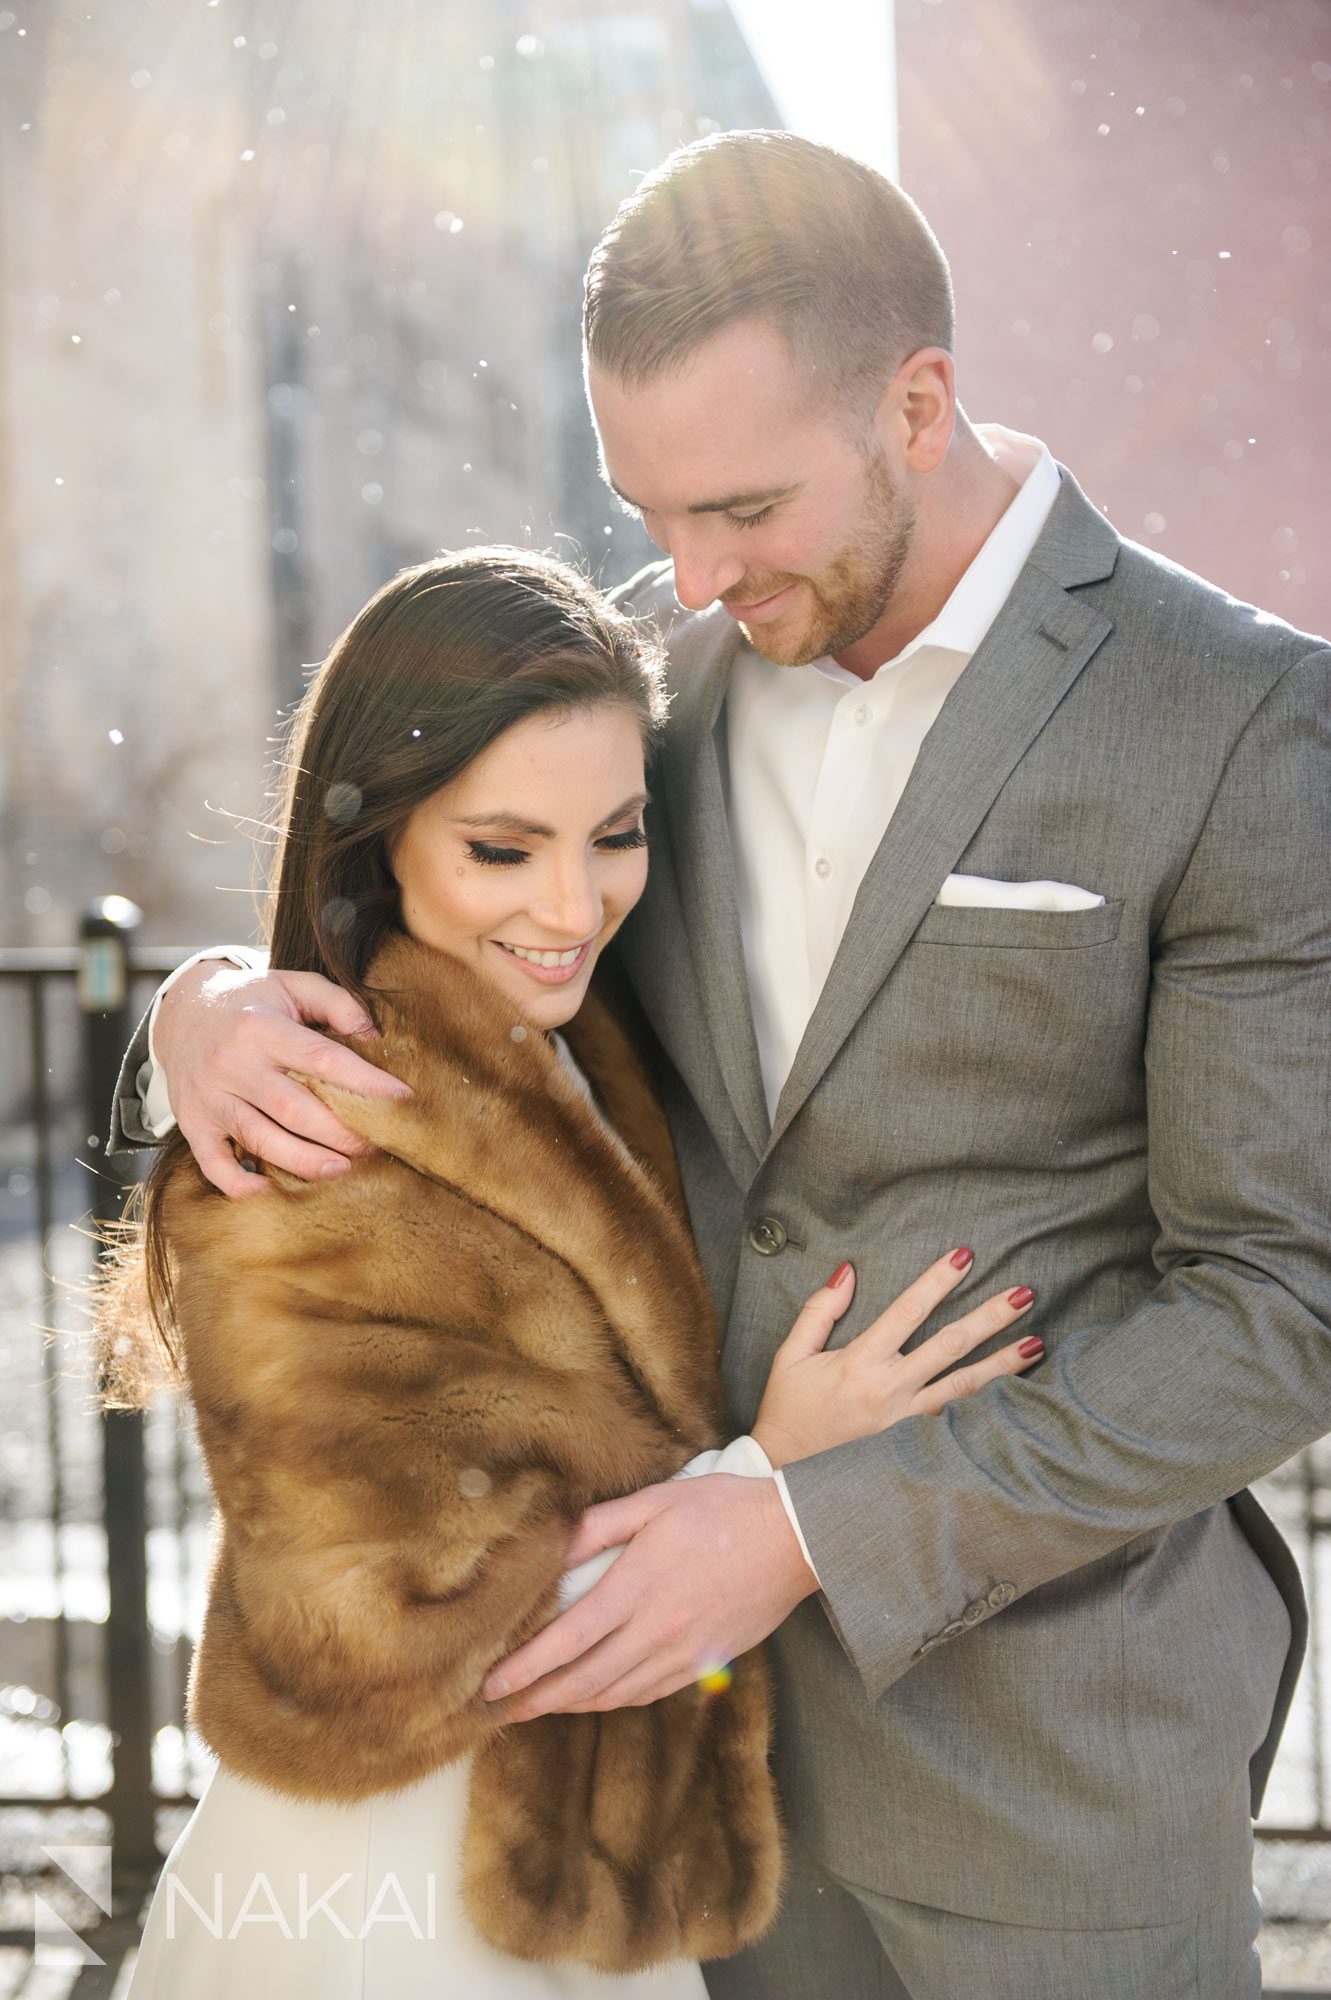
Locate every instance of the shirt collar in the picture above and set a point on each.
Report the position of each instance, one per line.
(984, 588)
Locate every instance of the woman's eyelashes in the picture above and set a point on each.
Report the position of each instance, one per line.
(492, 856)
(496, 857)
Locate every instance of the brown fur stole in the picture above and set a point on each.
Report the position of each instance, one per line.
(410, 1381)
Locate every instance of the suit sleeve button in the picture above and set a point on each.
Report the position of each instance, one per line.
(1002, 1594)
(975, 1612)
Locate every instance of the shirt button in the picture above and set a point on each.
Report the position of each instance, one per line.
(862, 714)
(768, 1237)
(822, 867)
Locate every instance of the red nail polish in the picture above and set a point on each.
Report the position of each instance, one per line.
(1030, 1348)
(1021, 1297)
(961, 1258)
(838, 1277)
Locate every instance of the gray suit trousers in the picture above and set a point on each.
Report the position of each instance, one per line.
(836, 1940)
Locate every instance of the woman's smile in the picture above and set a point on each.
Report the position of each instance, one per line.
(550, 968)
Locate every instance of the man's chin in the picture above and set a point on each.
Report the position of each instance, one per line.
(784, 648)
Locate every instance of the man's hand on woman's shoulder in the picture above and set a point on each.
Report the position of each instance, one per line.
(229, 1040)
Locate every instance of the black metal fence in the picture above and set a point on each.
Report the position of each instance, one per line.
(92, 1705)
(103, 1519)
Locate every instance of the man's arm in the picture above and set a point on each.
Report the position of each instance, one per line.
(141, 1112)
(231, 1043)
(1224, 1370)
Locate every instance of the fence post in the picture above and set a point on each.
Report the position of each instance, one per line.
(105, 936)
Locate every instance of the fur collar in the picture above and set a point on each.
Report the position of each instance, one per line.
(489, 1090)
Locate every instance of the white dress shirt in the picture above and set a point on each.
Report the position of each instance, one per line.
(819, 760)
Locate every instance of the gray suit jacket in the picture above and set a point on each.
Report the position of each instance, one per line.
(1056, 1638)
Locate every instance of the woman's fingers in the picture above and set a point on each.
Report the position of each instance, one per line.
(1022, 1354)
(891, 1330)
(813, 1328)
(964, 1335)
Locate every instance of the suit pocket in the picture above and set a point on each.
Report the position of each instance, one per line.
(1025, 1027)
(1024, 930)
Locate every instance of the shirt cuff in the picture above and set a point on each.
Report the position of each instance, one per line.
(793, 1519)
(158, 1117)
(743, 1457)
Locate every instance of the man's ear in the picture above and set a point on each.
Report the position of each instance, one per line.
(919, 408)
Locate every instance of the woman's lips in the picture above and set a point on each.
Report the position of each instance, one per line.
(546, 975)
(763, 609)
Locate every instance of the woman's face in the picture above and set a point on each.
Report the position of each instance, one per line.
(526, 865)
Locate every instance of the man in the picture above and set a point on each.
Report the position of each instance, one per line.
(989, 904)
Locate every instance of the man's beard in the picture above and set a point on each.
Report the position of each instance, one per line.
(851, 594)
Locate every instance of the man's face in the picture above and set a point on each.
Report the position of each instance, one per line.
(759, 493)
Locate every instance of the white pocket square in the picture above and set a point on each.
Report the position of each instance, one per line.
(978, 892)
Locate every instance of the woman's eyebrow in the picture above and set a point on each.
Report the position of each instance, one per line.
(633, 805)
(513, 822)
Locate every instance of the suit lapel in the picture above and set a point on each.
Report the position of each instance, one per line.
(702, 650)
(1038, 645)
(700, 837)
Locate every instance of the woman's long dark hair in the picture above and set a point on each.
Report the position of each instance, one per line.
(432, 671)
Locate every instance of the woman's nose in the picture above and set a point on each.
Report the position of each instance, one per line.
(572, 906)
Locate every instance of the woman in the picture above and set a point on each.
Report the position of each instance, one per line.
(411, 1381)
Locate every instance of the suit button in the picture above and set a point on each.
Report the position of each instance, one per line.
(927, 1647)
(768, 1236)
(975, 1612)
(954, 1630)
(1001, 1594)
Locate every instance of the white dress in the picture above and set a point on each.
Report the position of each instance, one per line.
(264, 1894)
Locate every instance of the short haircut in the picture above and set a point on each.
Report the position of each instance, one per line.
(765, 225)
